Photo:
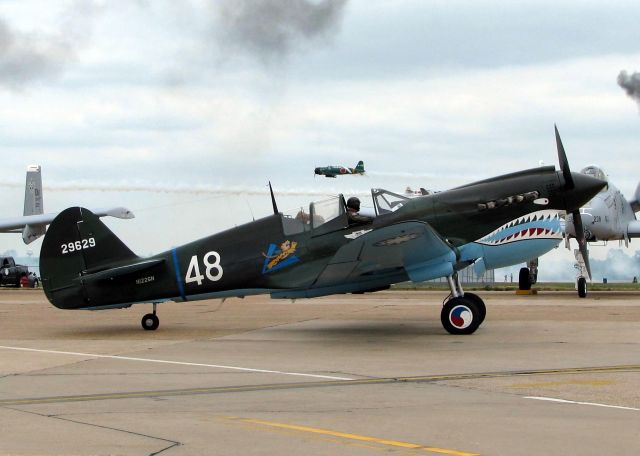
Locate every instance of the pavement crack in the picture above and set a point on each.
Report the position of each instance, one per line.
(171, 443)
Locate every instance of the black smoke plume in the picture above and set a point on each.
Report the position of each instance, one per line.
(29, 57)
(631, 84)
(271, 29)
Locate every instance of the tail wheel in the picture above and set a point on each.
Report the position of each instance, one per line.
(524, 280)
(477, 300)
(460, 316)
(582, 287)
(150, 322)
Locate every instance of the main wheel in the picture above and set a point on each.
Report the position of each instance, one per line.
(524, 280)
(150, 322)
(479, 303)
(460, 316)
(582, 287)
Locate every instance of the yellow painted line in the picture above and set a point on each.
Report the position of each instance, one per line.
(564, 383)
(348, 436)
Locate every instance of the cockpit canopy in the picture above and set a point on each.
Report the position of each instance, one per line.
(597, 172)
(331, 214)
(323, 216)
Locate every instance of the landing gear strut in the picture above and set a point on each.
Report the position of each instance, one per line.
(581, 281)
(464, 312)
(150, 322)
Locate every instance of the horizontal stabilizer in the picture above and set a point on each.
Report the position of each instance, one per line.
(120, 270)
(117, 212)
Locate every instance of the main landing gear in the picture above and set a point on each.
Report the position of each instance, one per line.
(463, 312)
(150, 322)
(528, 276)
(581, 275)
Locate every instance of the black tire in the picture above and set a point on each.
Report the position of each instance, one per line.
(150, 322)
(479, 303)
(460, 316)
(524, 281)
(582, 287)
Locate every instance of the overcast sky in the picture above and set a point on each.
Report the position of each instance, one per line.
(183, 110)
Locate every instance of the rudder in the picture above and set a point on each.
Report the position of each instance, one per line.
(33, 204)
(76, 243)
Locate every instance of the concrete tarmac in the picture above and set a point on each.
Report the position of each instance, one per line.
(354, 374)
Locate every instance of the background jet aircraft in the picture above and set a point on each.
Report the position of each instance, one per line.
(34, 221)
(333, 171)
(85, 266)
(607, 217)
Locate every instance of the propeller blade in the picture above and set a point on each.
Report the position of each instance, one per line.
(582, 241)
(564, 163)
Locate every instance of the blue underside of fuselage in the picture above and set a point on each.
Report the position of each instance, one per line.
(500, 256)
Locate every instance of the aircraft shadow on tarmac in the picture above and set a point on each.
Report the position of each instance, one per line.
(357, 331)
(360, 330)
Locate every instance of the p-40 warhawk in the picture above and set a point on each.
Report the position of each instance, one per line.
(333, 171)
(327, 251)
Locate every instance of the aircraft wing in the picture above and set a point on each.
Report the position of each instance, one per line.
(18, 224)
(404, 251)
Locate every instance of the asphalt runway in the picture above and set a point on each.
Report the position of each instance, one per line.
(361, 375)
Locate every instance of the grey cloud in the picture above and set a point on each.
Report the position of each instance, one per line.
(630, 83)
(31, 57)
(271, 29)
(28, 57)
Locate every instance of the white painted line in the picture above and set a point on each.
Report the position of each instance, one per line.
(595, 404)
(179, 363)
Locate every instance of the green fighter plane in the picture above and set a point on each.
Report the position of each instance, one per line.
(325, 251)
(333, 171)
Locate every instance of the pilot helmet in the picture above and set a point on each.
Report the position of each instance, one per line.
(353, 203)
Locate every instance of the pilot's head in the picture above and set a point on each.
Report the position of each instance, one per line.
(353, 204)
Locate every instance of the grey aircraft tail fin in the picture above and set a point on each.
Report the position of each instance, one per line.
(33, 204)
(33, 191)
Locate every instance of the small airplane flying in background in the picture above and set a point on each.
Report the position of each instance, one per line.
(333, 171)
(34, 221)
(84, 265)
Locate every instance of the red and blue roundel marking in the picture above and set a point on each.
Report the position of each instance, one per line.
(461, 316)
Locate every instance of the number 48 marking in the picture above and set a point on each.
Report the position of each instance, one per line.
(193, 271)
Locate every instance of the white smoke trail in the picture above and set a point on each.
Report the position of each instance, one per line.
(186, 189)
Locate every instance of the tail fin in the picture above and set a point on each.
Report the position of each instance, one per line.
(77, 243)
(33, 204)
(33, 191)
(359, 167)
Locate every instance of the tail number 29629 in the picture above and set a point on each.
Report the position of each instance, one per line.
(83, 244)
